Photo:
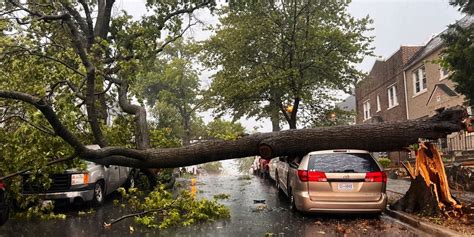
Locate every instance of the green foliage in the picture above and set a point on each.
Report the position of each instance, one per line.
(224, 130)
(458, 55)
(86, 212)
(221, 196)
(245, 177)
(282, 53)
(171, 86)
(40, 57)
(168, 211)
(40, 212)
(244, 164)
(330, 116)
(466, 6)
(212, 167)
(385, 162)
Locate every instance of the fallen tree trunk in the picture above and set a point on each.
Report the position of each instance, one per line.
(429, 192)
(389, 136)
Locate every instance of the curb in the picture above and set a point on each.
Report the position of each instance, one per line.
(431, 229)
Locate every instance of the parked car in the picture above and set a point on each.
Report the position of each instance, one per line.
(263, 167)
(4, 204)
(272, 166)
(333, 181)
(255, 165)
(75, 186)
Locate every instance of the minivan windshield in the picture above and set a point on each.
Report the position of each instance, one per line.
(343, 163)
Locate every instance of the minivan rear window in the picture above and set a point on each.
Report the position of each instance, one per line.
(343, 163)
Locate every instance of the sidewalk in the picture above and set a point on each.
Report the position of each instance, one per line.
(401, 186)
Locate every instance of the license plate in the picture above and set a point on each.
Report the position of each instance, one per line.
(345, 186)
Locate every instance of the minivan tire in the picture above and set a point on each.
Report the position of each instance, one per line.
(292, 201)
(277, 183)
(99, 194)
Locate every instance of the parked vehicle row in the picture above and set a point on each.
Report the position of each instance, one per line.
(331, 181)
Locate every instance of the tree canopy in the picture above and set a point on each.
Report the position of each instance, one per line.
(458, 55)
(283, 56)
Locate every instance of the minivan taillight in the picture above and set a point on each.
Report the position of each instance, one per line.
(377, 176)
(312, 176)
(303, 175)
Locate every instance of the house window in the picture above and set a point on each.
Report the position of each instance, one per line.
(378, 103)
(443, 73)
(367, 110)
(392, 96)
(419, 80)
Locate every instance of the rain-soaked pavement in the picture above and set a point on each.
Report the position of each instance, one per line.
(247, 219)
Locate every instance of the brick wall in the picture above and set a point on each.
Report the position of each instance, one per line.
(383, 75)
(418, 105)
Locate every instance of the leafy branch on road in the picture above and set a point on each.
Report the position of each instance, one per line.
(160, 209)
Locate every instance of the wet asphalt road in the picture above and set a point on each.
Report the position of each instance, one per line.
(247, 219)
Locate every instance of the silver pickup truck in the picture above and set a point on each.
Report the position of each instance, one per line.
(91, 184)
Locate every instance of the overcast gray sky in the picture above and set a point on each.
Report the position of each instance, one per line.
(396, 23)
(403, 22)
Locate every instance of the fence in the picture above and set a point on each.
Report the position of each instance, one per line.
(456, 144)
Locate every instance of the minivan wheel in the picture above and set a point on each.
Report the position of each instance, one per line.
(292, 202)
(277, 183)
(99, 195)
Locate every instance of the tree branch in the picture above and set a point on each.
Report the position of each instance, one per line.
(77, 16)
(39, 127)
(41, 16)
(90, 86)
(90, 27)
(70, 85)
(47, 164)
(108, 225)
(48, 112)
(142, 137)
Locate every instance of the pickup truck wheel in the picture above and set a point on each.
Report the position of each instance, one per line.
(130, 183)
(99, 195)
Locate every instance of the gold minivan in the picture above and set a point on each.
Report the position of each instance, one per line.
(334, 181)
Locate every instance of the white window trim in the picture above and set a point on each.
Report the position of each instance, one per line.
(394, 94)
(422, 90)
(441, 76)
(368, 109)
(379, 108)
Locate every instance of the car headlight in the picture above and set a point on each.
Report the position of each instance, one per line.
(79, 179)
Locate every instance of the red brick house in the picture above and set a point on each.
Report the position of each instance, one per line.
(381, 96)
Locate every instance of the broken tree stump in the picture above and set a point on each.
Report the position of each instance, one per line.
(429, 192)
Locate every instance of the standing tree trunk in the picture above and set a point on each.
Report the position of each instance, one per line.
(187, 127)
(429, 192)
(275, 117)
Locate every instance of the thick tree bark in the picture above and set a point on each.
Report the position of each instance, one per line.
(142, 137)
